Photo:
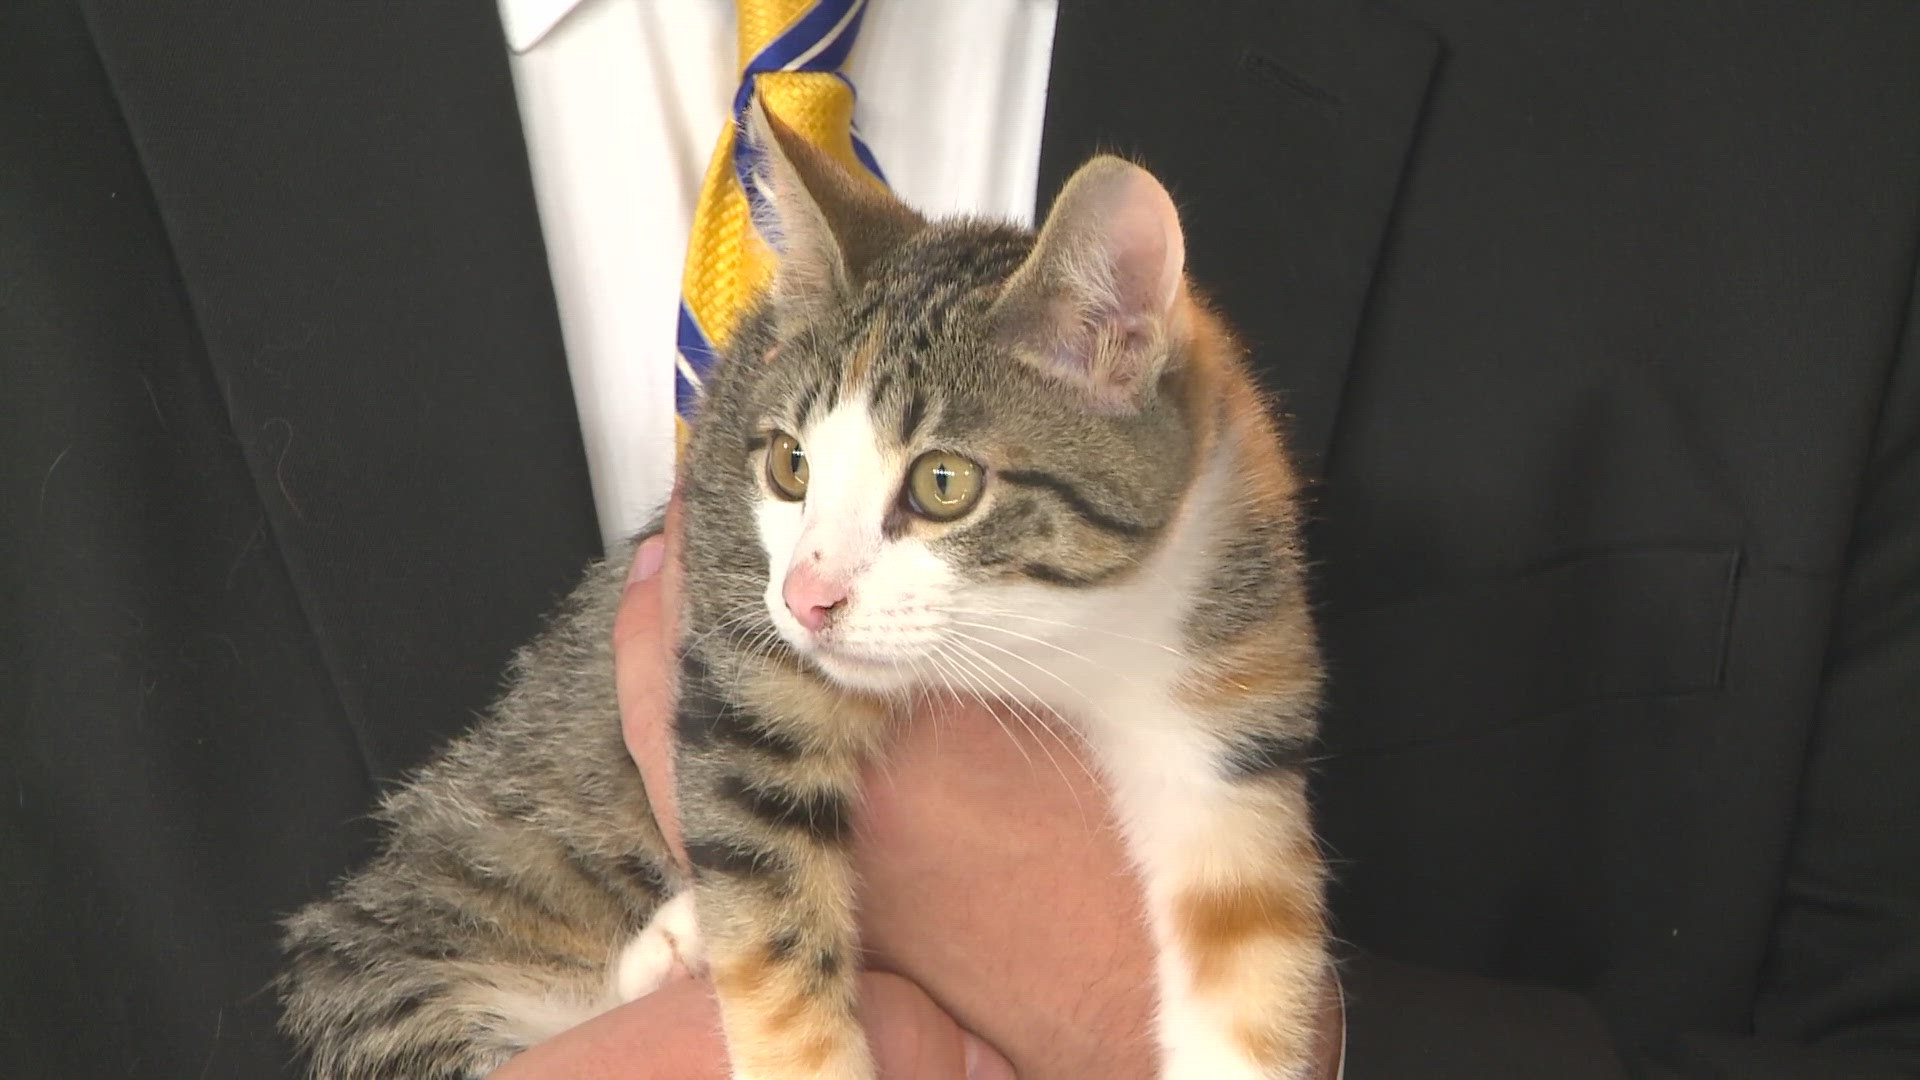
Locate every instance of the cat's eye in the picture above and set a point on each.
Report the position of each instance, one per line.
(787, 466)
(942, 485)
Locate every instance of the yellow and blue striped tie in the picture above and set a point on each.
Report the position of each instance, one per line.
(790, 55)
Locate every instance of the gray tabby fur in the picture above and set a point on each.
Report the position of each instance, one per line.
(521, 860)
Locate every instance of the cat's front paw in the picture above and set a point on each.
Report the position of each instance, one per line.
(671, 937)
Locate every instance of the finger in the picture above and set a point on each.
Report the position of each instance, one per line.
(658, 554)
(643, 670)
(644, 640)
(675, 1032)
(914, 1039)
(670, 1034)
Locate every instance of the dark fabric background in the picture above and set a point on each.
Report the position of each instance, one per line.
(1592, 321)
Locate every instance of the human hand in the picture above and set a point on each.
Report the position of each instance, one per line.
(992, 874)
(675, 1031)
(674, 1034)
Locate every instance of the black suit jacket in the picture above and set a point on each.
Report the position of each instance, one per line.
(1593, 321)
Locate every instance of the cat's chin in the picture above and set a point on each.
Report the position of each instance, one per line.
(861, 673)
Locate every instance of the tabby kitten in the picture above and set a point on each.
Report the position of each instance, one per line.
(950, 455)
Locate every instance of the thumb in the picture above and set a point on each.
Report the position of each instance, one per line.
(643, 670)
(914, 1039)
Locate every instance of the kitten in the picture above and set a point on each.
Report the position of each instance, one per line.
(951, 454)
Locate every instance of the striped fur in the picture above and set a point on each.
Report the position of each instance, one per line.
(514, 866)
(1132, 563)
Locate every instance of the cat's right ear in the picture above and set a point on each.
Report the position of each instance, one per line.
(825, 224)
(1101, 304)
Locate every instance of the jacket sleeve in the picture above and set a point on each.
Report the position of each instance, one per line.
(1839, 994)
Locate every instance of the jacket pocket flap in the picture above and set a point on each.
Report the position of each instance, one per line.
(1627, 624)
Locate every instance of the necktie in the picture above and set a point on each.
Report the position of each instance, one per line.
(790, 55)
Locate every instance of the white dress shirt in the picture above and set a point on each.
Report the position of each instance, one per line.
(622, 102)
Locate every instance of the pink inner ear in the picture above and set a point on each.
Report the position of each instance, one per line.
(1098, 301)
(1143, 246)
(1073, 347)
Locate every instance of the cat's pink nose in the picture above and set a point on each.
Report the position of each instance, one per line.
(810, 595)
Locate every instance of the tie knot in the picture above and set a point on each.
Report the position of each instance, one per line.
(791, 53)
(797, 35)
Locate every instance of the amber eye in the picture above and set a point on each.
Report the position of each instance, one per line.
(942, 485)
(787, 466)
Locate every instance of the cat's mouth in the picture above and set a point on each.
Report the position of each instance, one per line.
(832, 656)
(864, 651)
(856, 670)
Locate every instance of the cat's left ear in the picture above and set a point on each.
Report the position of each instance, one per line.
(826, 225)
(1100, 303)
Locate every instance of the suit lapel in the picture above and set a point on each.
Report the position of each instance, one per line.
(1282, 128)
(347, 196)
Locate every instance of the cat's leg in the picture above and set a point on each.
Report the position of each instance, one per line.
(671, 936)
(1220, 829)
(767, 817)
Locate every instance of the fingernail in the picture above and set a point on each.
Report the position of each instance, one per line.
(647, 561)
(983, 1062)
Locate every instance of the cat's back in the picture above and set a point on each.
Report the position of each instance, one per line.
(513, 865)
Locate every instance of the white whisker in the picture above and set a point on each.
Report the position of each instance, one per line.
(981, 693)
(1049, 672)
(1082, 657)
(1039, 727)
(926, 695)
(1004, 613)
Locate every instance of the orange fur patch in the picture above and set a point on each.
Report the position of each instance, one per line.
(1276, 662)
(1267, 1043)
(1214, 925)
(810, 1056)
(1227, 403)
(778, 1012)
(743, 978)
(862, 360)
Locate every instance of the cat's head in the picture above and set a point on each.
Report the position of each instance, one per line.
(937, 429)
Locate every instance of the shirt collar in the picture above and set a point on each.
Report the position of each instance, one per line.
(528, 21)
